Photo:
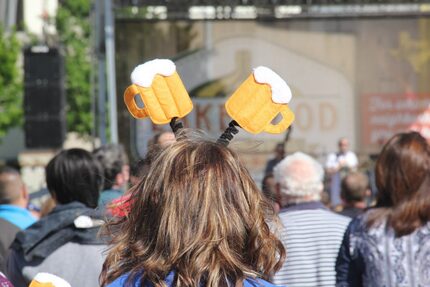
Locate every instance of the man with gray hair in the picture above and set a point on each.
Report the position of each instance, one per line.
(311, 233)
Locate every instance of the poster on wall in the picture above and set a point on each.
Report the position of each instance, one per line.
(386, 114)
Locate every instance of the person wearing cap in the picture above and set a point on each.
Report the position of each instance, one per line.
(311, 233)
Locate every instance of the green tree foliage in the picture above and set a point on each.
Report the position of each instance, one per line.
(10, 82)
(73, 28)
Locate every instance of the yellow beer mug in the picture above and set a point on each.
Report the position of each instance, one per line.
(48, 280)
(161, 89)
(258, 100)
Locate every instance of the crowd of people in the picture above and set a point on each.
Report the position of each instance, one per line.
(189, 214)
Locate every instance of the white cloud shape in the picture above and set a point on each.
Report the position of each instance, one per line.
(144, 74)
(281, 93)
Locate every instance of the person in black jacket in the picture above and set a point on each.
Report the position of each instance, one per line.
(65, 242)
(8, 232)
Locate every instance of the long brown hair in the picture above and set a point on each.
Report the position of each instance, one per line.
(402, 178)
(198, 213)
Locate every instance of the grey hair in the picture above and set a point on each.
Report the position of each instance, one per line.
(299, 176)
(112, 158)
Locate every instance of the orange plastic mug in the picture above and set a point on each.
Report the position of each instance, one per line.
(48, 280)
(252, 107)
(164, 100)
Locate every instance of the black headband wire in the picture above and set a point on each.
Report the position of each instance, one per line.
(229, 133)
(175, 125)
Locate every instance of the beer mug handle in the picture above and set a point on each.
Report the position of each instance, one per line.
(287, 120)
(135, 111)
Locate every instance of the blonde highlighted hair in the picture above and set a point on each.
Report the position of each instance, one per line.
(198, 213)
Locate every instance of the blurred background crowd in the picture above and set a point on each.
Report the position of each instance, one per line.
(359, 74)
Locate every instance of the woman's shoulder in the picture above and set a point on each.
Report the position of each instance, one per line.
(122, 280)
(359, 223)
(126, 281)
(259, 283)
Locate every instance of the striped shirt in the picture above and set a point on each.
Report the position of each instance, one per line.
(312, 236)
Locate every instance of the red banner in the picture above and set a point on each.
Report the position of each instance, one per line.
(385, 115)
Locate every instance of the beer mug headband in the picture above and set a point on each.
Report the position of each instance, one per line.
(253, 106)
(48, 279)
(162, 92)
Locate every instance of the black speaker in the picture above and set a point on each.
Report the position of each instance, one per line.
(44, 132)
(44, 97)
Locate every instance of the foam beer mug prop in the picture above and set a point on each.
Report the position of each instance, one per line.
(161, 89)
(258, 100)
(48, 280)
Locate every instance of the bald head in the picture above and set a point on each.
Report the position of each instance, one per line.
(11, 186)
(354, 187)
(164, 138)
(343, 144)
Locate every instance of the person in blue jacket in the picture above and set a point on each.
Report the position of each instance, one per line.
(196, 219)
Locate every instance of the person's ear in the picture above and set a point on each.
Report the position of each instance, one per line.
(54, 197)
(368, 192)
(24, 193)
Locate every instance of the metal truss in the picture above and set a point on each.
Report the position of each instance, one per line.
(124, 3)
(266, 9)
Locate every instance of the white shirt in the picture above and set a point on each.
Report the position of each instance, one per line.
(337, 160)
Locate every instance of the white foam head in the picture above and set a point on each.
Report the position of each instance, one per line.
(281, 93)
(51, 278)
(144, 74)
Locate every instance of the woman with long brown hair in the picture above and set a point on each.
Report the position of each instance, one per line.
(196, 219)
(389, 245)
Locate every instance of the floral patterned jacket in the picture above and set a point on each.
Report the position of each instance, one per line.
(375, 257)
